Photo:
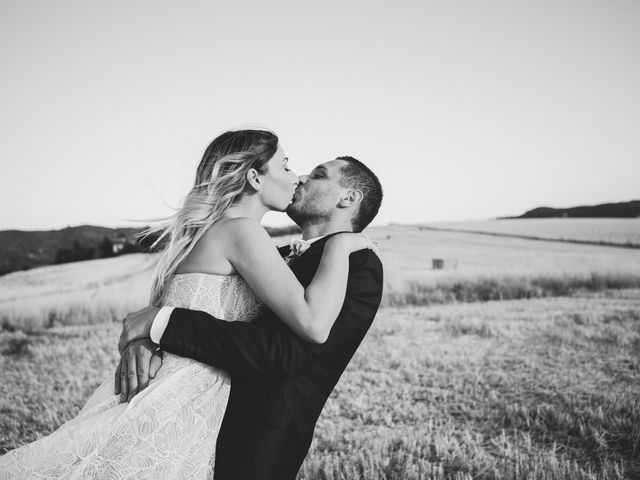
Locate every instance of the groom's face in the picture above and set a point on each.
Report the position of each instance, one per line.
(318, 194)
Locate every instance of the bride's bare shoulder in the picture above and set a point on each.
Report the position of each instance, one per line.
(234, 227)
(243, 236)
(235, 233)
(212, 253)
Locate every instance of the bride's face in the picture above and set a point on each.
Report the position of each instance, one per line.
(279, 183)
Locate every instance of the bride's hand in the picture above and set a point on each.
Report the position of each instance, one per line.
(352, 242)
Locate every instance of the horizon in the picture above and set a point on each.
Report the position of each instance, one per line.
(465, 112)
(373, 224)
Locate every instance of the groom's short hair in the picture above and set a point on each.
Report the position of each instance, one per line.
(358, 176)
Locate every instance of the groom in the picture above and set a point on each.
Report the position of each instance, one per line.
(280, 383)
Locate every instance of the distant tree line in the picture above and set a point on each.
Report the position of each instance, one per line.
(108, 248)
(82, 251)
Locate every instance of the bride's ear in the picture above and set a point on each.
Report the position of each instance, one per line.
(352, 198)
(254, 180)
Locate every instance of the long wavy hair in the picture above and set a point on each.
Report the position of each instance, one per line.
(220, 181)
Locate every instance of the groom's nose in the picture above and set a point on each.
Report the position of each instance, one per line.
(303, 179)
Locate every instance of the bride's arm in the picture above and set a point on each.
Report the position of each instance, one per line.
(309, 313)
(268, 349)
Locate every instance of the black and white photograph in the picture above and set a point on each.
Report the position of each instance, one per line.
(356, 240)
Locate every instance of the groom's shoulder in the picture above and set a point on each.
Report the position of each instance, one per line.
(360, 258)
(366, 275)
(365, 259)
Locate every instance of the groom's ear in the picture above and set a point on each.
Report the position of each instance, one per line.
(351, 198)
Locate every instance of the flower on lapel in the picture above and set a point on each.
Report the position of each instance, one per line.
(298, 247)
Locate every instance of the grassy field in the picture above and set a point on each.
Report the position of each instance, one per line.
(544, 388)
(485, 267)
(616, 231)
(544, 384)
(95, 291)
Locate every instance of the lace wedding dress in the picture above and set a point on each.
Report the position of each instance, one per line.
(169, 430)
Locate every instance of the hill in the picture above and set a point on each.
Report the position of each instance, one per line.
(22, 250)
(606, 210)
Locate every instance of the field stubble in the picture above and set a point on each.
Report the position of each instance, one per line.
(544, 388)
(495, 268)
(81, 293)
(487, 268)
(602, 231)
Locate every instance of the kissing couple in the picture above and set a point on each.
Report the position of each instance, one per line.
(254, 338)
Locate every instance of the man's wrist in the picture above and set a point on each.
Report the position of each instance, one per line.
(159, 324)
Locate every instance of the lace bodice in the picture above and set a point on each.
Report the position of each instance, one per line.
(227, 297)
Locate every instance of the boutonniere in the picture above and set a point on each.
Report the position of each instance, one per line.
(298, 247)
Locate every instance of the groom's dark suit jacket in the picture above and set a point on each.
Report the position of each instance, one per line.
(279, 383)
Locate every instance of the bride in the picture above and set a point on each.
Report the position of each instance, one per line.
(169, 429)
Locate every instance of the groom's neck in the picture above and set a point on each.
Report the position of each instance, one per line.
(322, 229)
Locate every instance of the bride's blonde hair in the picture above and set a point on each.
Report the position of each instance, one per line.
(220, 181)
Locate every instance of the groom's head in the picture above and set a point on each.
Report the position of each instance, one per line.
(342, 189)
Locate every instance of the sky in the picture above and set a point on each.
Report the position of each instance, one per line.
(465, 110)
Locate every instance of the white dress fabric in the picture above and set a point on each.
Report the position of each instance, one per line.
(169, 430)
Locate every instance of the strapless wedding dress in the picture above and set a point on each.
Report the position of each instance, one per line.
(169, 430)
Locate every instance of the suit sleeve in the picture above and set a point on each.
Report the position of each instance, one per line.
(267, 348)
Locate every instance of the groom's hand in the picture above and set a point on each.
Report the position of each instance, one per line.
(139, 362)
(136, 325)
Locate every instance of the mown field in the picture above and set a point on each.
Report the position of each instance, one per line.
(540, 382)
(95, 291)
(614, 231)
(488, 267)
(477, 267)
